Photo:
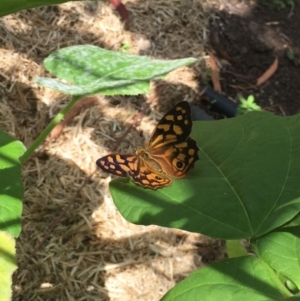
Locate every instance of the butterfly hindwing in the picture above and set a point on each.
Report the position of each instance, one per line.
(177, 159)
(147, 177)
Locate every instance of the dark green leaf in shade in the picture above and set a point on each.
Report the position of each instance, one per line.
(249, 168)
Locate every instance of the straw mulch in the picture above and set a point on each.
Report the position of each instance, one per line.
(92, 253)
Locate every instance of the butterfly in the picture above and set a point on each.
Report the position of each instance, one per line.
(169, 152)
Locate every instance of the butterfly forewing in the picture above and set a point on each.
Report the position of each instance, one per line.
(119, 165)
(174, 127)
(149, 178)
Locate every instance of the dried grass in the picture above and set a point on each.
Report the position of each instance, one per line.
(93, 253)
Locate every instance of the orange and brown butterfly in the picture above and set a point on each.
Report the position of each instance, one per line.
(169, 152)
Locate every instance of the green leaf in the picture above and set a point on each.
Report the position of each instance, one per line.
(294, 222)
(11, 187)
(248, 105)
(9, 6)
(7, 265)
(93, 70)
(249, 167)
(234, 248)
(243, 278)
(281, 250)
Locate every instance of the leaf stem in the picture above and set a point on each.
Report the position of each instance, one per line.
(41, 138)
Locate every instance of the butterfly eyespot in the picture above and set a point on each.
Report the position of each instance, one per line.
(158, 178)
(179, 164)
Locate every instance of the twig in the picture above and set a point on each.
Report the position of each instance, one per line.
(268, 73)
(83, 103)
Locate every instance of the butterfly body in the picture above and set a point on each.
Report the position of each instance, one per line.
(169, 152)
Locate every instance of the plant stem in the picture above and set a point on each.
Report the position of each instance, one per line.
(235, 249)
(41, 138)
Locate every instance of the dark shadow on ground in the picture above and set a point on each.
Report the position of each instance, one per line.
(248, 42)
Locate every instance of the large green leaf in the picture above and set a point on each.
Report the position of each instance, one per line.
(93, 70)
(244, 278)
(281, 250)
(7, 264)
(249, 168)
(12, 6)
(11, 187)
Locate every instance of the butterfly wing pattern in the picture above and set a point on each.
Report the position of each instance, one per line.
(168, 152)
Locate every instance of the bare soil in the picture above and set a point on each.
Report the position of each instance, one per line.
(249, 38)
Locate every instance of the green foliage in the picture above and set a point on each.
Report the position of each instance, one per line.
(11, 188)
(245, 185)
(248, 104)
(235, 249)
(12, 6)
(276, 4)
(11, 193)
(244, 278)
(243, 169)
(93, 70)
(281, 251)
(7, 264)
(125, 47)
